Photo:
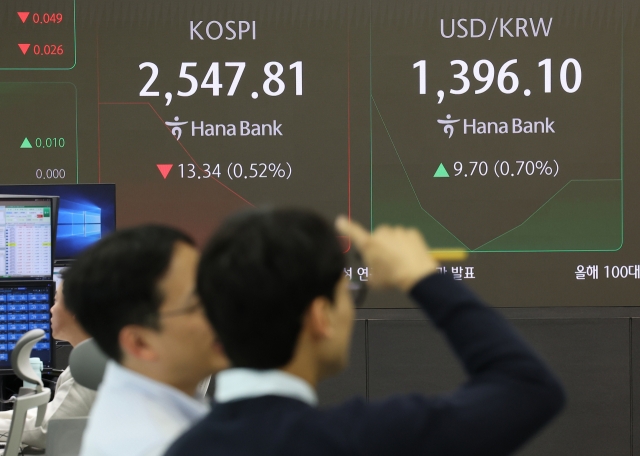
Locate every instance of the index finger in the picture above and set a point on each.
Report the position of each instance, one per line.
(354, 230)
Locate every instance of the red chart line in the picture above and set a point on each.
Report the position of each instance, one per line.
(349, 124)
(181, 145)
(98, 79)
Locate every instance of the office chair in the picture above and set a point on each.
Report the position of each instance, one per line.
(203, 387)
(87, 363)
(28, 398)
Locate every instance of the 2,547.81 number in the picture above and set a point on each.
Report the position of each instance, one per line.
(272, 86)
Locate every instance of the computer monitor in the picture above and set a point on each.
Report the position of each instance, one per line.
(87, 212)
(25, 306)
(26, 236)
(57, 275)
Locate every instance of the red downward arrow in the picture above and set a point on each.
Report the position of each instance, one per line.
(24, 48)
(23, 15)
(164, 170)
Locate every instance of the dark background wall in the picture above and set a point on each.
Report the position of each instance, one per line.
(595, 351)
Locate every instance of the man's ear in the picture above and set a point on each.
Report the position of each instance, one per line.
(135, 342)
(318, 318)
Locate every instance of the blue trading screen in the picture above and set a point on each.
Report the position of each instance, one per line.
(23, 308)
(86, 213)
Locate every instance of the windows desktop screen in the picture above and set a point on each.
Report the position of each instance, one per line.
(86, 213)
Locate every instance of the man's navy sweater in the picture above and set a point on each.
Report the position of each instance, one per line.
(510, 394)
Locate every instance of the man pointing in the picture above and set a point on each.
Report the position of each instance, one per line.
(272, 284)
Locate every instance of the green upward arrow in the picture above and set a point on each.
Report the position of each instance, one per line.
(26, 144)
(441, 171)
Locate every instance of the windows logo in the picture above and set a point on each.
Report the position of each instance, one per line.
(80, 221)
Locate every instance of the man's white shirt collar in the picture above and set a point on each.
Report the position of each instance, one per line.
(121, 377)
(240, 383)
(137, 416)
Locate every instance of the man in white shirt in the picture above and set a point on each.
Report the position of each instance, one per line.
(71, 400)
(134, 292)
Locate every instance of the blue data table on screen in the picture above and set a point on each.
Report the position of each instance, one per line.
(23, 308)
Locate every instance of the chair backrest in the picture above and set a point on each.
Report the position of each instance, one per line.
(203, 386)
(28, 398)
(64, 436)
(21, 354)
(87, 363)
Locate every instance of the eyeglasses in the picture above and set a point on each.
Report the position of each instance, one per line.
(184, 311)
(358, 275)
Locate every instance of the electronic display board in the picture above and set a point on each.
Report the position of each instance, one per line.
(506, 129)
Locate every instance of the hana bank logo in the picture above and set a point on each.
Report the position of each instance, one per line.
(448, 125)
(176, 131)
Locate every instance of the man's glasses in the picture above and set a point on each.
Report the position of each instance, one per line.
(358, 275)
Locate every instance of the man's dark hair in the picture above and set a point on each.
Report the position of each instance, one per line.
(113, 283)
(259, 274)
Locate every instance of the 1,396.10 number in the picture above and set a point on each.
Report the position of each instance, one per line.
(507, 81)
